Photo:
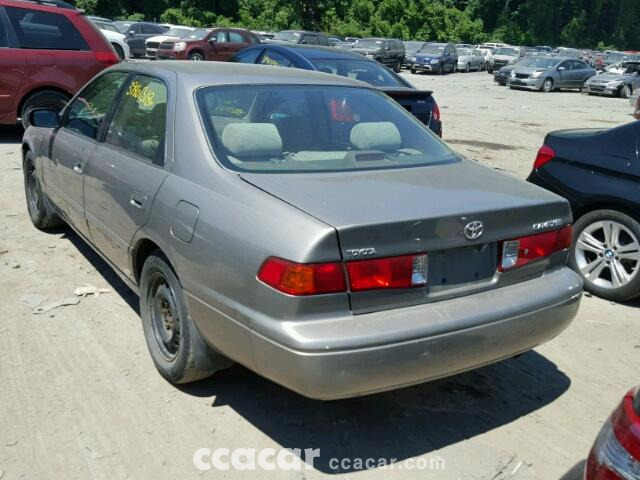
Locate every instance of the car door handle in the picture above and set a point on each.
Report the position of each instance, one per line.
(78, 168)
(138, 200)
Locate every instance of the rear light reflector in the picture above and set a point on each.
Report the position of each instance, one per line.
(436, 112)
(395, 272)
(302, 279)
(107, 58)
(520, 251)
(616, 452)
(545, 155)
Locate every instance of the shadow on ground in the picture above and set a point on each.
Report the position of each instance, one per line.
(395, 425)
(10, 134)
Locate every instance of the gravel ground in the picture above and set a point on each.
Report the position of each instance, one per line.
(80, 397)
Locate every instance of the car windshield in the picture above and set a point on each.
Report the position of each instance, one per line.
(122, 26)
(413, 45)
(287, 36)
(369, 43)
(372, 73)
(107, 26)
(265, 129)
(177, 32)
(464, 52)
(544, 63)
(432, 49)
(616, 57)
(198, 34)
(512, 52)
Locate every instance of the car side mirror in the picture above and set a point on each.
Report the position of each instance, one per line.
(213, 40)
(44, 117)
(132, 33)
(562, 69)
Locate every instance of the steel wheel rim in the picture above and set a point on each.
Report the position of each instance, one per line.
(547, 85)
(165, 320)
(607, 254)
(33, 190)
(196, 58)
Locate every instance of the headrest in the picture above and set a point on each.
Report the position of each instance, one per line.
(252, 139)
(375, 136)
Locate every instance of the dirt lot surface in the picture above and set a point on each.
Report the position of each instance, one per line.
(80, 398)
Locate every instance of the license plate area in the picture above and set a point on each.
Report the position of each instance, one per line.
(458, 267)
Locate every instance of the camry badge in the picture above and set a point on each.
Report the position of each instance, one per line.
(474, 230)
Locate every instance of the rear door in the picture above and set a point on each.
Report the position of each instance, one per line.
(217, 46)
(12, 66)
(74, 144)
(236, 42)
(127, 169)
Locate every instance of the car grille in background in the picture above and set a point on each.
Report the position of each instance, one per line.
(166, 46)
(500, 62)
(522, 75)
(153, 44)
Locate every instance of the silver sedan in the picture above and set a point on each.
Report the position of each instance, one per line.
(301, 224)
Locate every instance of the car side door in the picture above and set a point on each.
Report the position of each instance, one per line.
(128, 167)
(217, 45)
(237, 41)
(12, 66)
(563, 75)
(74, 144)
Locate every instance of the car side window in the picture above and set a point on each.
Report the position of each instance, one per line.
(149, 29)
(221, 36)
(136, 29)
(276, 59)
(44, 30)
(565, 65)
(236, 37)
(250, 56)
(309, 40)
(4, 36)
(139, 123)
(86, 113)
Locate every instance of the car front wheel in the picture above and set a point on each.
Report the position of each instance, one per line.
(547, 85)
(606, 253)
(625, 91)
(196, 57)
(39, 212)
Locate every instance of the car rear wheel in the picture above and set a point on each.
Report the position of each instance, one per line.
(606, 253)
(45, 99)
(41, 214)
(547, 85)
(119, 51)
(196, 57)
(175, 346)
(625, 91)
(398, 66)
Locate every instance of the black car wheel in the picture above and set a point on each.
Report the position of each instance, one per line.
(175, 346)
(606, 253)
(398, 66)
(41, 215)
(196, 57)
(413, 70)
(547, 85)
(489, 70)
(625, 91)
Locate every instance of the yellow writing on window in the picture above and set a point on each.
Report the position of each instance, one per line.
(144, 95)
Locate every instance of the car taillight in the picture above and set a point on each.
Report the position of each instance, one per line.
(616, 452)
(316, 278)
(545, 155)
(302, 279)
(395, 272)
(108, 58)
(520, 251)
(436, 112)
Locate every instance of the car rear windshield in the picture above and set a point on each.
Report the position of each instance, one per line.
(372, 73)
(432, 49)
(507, 51)
(464, 52)
(369, 44)
(413, 45)
(287, 36)
(314, 128)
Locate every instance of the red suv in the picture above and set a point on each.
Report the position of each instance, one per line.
(207, 44)
(47, 52)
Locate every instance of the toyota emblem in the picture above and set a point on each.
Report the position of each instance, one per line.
(474, 230)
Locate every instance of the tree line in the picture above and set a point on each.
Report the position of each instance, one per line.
(602, 24)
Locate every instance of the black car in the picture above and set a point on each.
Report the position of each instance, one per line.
(388, 51)
(598, 171)
(347, 64)
(301, 37)
(137, 34)
(501, 75)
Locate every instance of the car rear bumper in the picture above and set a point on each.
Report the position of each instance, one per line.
(430, 341)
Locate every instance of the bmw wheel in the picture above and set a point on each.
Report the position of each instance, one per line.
(606, 253)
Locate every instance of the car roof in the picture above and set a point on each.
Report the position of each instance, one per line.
(314, 51)
(197, 74)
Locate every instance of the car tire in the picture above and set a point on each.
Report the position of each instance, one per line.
(398, 66)
(413, 70)
(119, 51)
(489, 70)
(44, 99)
(196, 57)
(625, 91)
(547, 85)
(468, 68)
(606, 245)
(40, 212)
(177, 350)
